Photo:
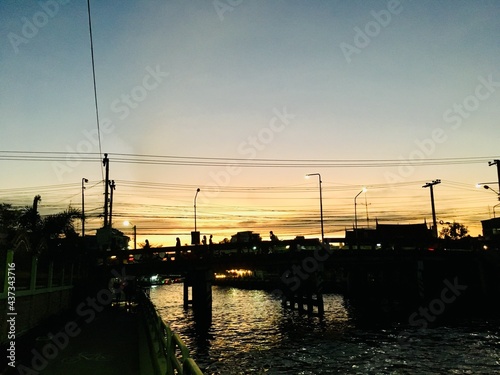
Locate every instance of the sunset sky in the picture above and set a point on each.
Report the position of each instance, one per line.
(242, 99)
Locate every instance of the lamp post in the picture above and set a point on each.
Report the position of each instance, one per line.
(496, 205)
(195, 196)
(320, 203)
(498, 195)
(127, 223)
(195, 236)
(84, 180)
(487, 187)
(434, 223)
(355, 208)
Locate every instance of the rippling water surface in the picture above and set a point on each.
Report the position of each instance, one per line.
(252, 334)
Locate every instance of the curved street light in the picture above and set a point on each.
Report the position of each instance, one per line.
(320, 203)
(355, 208)
(487, 187)
(496, 205)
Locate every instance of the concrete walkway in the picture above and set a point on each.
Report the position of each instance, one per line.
(97, 342)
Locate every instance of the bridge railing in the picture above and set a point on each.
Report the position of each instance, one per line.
(170, 356)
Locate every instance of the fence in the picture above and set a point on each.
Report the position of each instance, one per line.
(169, 354)
(38, 289)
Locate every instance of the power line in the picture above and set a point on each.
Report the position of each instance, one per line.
(95, 86)
(240, 162)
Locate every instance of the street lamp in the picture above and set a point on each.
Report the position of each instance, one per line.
(84, 180)
(195, 196)
(195, 236)
(493, 190)
(127, 223)
(320, 203)
(496, 205)
(355, 208)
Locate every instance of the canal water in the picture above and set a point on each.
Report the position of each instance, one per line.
(252, 334)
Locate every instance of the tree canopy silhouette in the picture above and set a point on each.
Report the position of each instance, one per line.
(454, 231)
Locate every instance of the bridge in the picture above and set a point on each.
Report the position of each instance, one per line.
(300, 271)
(419, 283)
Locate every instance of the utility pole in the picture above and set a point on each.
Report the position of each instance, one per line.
(434, 222)
(84, 181)
(112, 187)
(497, 163)
(105, 162)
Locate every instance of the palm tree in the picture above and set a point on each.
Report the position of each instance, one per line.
(61, 225)
(29, 224)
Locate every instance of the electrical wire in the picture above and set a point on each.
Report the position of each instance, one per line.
(239, 162)
(95, 85)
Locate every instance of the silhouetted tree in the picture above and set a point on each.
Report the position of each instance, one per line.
(454, 231)
(9, 217)
(9, 222)
(30, 219)
(28, 222)
(61, 225)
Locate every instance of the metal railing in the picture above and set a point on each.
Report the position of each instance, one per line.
(169, 354)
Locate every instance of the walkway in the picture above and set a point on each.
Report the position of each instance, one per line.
(106, 343)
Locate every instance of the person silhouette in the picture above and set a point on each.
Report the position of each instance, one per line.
(273, 236)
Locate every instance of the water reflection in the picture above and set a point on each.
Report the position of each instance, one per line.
(251, 333)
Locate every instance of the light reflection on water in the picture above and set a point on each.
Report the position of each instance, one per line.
(252, 334)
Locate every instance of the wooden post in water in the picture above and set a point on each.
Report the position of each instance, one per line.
(200, 282)
(187, 284)
(307, 295)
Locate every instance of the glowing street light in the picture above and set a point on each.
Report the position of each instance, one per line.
(127, 223)
(320, 203)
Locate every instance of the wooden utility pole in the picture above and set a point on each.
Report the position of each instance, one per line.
(434, 221)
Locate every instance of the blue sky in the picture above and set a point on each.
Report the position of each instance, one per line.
(204, 79)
